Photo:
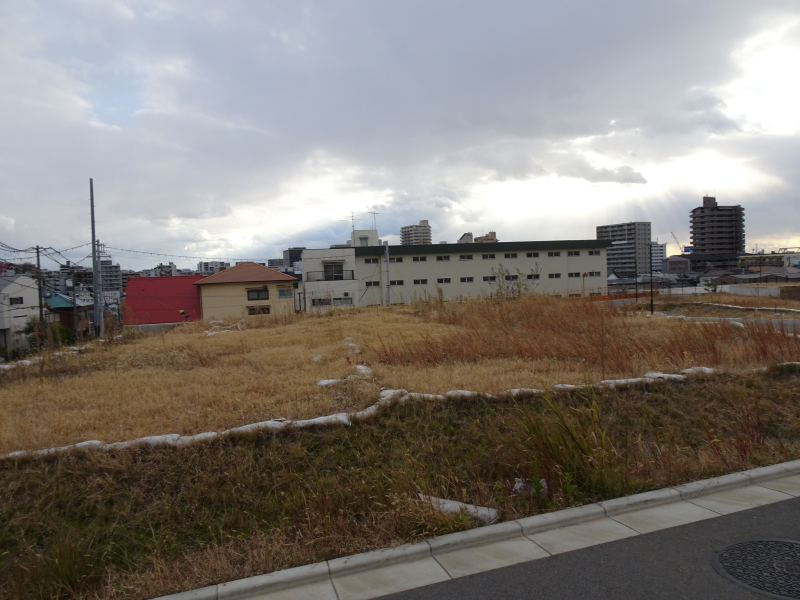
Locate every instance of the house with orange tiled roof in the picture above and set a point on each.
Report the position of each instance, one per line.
(246, 289)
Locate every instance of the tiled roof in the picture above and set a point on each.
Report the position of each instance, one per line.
(246, 272)
(61, 301)
(150, 300)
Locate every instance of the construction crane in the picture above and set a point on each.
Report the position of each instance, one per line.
(680, 247)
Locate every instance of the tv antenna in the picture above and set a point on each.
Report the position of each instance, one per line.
(352, 220)
(374, 219)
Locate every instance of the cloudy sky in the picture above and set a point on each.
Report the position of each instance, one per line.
(237, 129)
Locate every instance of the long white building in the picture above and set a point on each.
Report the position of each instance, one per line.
(370, 274)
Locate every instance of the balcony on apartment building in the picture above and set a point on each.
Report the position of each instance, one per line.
(332, 275)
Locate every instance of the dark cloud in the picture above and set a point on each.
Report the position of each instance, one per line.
(193, 114)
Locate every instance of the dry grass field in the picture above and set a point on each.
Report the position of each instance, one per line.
(186, 382)
(142, 522)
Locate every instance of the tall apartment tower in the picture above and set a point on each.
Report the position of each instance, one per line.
(415, 234)
(629, 254)
(717, 229)
(659, 254)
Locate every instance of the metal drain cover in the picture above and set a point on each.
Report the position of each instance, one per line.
(769, 567)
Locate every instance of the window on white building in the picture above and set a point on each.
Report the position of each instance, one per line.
(554, 276)
(467, 280)
(443, 280)
(420, 282)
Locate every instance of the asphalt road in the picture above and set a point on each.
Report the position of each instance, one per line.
(669, 564)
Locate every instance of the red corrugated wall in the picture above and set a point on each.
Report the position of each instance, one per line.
(150, 300)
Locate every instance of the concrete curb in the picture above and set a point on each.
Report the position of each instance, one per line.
(281, 580)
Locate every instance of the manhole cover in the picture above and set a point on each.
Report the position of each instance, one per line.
(770, 567)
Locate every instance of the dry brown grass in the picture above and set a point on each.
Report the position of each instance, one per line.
(144, 522)
(185, 382)
(733, 299)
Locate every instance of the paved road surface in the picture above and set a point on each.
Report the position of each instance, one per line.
(669, 564)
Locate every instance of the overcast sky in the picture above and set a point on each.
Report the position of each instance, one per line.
(238, 128)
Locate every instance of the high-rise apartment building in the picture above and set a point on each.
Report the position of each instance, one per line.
(110, 275)
(717, 229)
(415, 234)
(659, 253)
(213, 266)
(629, 254)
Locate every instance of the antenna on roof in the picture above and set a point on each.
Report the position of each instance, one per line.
(374, 220)
(352, 220)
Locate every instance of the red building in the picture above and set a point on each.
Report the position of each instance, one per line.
(152, 300)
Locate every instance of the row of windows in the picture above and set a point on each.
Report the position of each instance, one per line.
(489, 278)
(264, 294)
(332, 302)
(489, 256)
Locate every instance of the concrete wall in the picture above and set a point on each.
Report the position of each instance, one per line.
(755, 290)
(229, 300)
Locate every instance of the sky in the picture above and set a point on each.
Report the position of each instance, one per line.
(239, 129)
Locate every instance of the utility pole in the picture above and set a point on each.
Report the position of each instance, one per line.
(652, 309)
(388, 285)
(41, 305)
(74, 308)
(97, 289)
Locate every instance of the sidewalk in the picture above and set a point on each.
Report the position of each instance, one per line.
(660, 547)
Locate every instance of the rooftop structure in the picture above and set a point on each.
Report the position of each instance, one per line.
(489, 238)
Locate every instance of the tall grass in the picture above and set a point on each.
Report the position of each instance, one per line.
(603, 340)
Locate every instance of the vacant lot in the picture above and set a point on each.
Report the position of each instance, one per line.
(148, 521)
(187, 382)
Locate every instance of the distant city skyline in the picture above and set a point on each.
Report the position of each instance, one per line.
(240, 130)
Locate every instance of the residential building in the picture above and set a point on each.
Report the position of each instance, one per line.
(717, 229)
(168, 270)
(489, 238)
(110, 275)
(658, 252)
(629, 255)
(211, 267)
(292, 256)
(247, 289)
(19, 301)
(375, 274)
(415, 234)
(466, 238)
(157, 300)
(77, 316)
(276, 263)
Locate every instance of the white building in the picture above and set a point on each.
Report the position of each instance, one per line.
(210, 267)
(371, 274)
(415, 234)
(658, 255)
(19, 301)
